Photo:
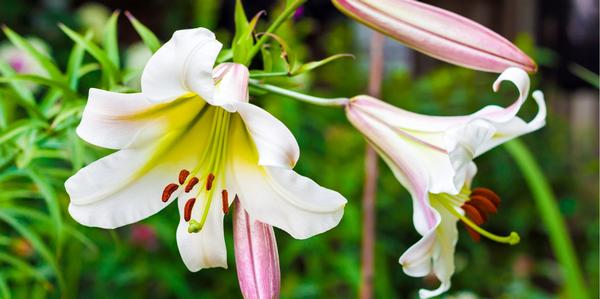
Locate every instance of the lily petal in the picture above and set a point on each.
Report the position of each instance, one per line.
(183, 64)
(438, 33)
(403, 119)
(274, 142)
(231, 85)
(103, 122)
(206, 248)
(103, 194)
(282, 198)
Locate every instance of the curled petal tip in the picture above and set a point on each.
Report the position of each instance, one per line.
(438, 33)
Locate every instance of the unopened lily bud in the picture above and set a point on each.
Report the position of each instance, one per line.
(256, 256)
(438, 33)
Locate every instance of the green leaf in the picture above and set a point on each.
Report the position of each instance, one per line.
(22, 267)
(43, 81)
(110, 41)
(288, 55)
(19, 88)
(309, 66)
(36, 242)
(51, 199)
(149, 38)
(4, 290)
(243, 41)
(75, 61)
(109, 69)
(19, 127)
(45, 61)
(267, 58)
(585, 74)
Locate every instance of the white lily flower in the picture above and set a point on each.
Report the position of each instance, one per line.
(191, 135)
(432, 157)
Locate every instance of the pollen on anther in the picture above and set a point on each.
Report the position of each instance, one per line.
(225, 201)
(191, 184)
(483, 204)
(183, 174)
(209, 181)
(168, 191)
(187, 210)
(487, 193)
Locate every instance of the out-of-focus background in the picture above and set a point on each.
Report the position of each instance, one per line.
(142, 261)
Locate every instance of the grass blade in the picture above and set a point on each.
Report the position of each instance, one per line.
(149, 38)
(110, 42)
(110, 70)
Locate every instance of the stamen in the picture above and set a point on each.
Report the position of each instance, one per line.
(473, 214)
(511, 239)
(209, 181)
(487, 193)
(187, 210)
(191, 184)
(483, 204)
(183, 174)
(225, 201)
(168, 191)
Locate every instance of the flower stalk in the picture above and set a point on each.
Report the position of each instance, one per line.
(371, 175)
(340, 102)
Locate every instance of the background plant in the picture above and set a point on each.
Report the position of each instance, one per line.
(44, 254)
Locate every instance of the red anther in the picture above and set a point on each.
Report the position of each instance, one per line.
(168, 191)
(183, 174)
(191, 184)
(225, 201)
(472, 233)
(487, 193)
(187, 210)
(483, 204)
(472, 213)
(209, 181)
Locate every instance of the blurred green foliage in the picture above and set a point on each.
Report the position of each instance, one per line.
(45, 254)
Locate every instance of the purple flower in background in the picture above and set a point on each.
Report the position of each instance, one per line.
(299, 13)
(144, 236)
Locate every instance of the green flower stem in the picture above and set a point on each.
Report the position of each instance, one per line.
(339, 102)
(284, 16)
(268, 75)
(551, 217)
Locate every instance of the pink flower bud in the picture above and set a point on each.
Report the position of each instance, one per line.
(256, 256)
(438, 33)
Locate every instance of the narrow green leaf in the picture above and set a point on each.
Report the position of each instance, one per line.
(110, 41)
(149, 38)
(585, 74)
(108, 67)
(309, 66)
(52, 203)
(287, 54)
(19, 88)
(19, 127)
(75, 61)
(550, 215)
(66, 90)
(36, 242)
(45, 61)
(241, 45)
(22, 267)
(4, 290)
